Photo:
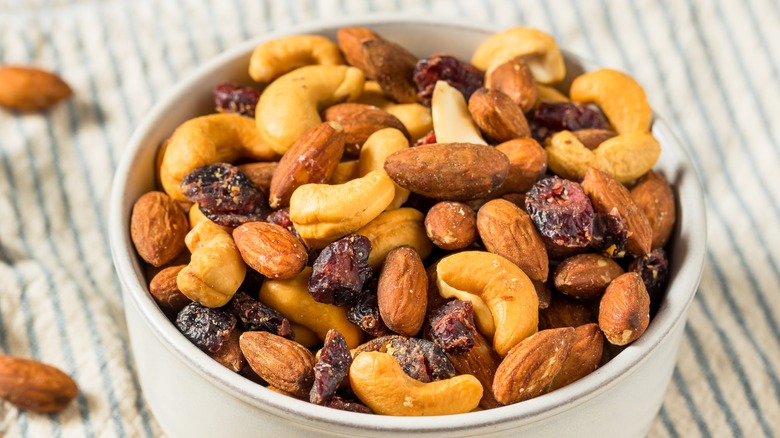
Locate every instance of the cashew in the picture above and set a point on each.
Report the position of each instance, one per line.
(452, 120)
(291, 298)
(196, 216)
(620, 97)
(395, 228)
(345, 171)
(537, 48)
(377, 147)
(547, 94)
(290, 105)
(380, 383)
(206, 140)
(372, 95)
(304, 335)
(498, 283)
(324, 213)
(216, 269)
(626, 157)
(276, 57)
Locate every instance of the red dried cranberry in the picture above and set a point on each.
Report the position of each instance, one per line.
(331, 367)
(609, 234)
(365, 314)
(428, 138)
(233, 98)
(341, 270)
(571, 116)
(421, 359)
(282, 218)
(452, 326)
(205, 327)
(256, 316)
(459, 74)
(654, 269)
(561, 211)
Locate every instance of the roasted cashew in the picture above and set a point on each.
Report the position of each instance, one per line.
(209, 139)
(292, 299)
(620, 97)
(345, 171)
(290, 105)
(276, 57)
(500, 286)
(452, 120)
(377, 147)
(395, 228)
(537, 48)
(323, 213)
(380, 383)
(216, 269)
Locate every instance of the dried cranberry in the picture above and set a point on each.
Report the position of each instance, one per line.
(654, 269)
(609, 234)
(225, 194)
(561, 211)
(282, 218)
(365, 314)
(341, 270)
(428, 138)
(253, 280)
(569, 116)
(331, 367)
(256, 316)
(233, 98)
(343, 404)
(421, 359)
(452, 326)
(205, 327)
(459, 74)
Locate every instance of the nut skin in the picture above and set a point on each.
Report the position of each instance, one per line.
(270, 249)
(451, 225)
(402, 292)
(283, 363)
(563, 311)
(359, 122)
(392, 66)
(508, 231)
(530, 367)
(260, 173)
(514, 78)
(31, 89)
(499, 118)
(157, 227)
(350, 41)
(527, 164)
(35, 386)
(587, 346)
(655, 198)
(593, 137)
(165, 291)
(624, 310)
(586, 276)
(230, 355)
(607, 193)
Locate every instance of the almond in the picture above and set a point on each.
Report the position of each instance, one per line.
(392, 67)
(586, 276)
(449, 171)
(527, 164)
(35, 386)
(607, 193)
(497, 116)
(402, 292)
(508, 231)
(451, 225)
(359, 122)
(543, 293)
(563, 311)
(260, 173)
(592, 138)
(481, 361)
(283, 363)
(624, 311)
(311, 159)
(514, 78)
(655, 198)
(31, 89)
(270, 249)
(529, 368)
(157, 227)
(230, 355)
(350, 41)
(165, 291)
(587, 346)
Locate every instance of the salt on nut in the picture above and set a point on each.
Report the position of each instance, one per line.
(291, 104)
(278, 56)
(538, 50)
(206, 140)
(497, 284)
(216, 269)
(620, 97)
(393, 229)
(324, 213)
(291, 298)
(380, 383)
(380, 145)
(452, 120)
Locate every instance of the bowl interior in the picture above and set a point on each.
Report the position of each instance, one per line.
(192, 97)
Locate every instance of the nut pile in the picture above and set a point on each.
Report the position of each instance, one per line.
(384, 234)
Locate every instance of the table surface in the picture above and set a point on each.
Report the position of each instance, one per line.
(709, 66)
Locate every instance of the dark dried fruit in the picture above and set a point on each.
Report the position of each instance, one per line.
(256, 316)
(420, 359)
(282, 218)
(205, 327)
(428, 138)
(609, 234)
(654, 269)
(452, 326)
(225, 194)
(341, 270)
(459, 74)
(561, 211)
(569, 116)
(253, 280)
(343, 404)
(233, 98)
(365, 314)
(331, 368)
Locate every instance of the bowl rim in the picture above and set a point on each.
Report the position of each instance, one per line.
(673, 308)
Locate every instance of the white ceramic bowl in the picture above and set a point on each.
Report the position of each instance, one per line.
(193, 396)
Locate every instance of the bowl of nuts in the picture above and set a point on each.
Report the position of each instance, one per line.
(335, 225)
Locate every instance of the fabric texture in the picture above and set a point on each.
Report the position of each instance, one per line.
(709, 66)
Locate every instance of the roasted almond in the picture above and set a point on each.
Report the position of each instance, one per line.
(270, 249)
(543, 293)
(230, 355)
(587, 346)
(359, 122)
(449, 171)
(624, 311)
(260, 173)
(563, 311)
(451, 225)
(402, 292)
(514, 78)
(586, 276)
(392, 67)
(35, 386)
(527, 164)
(283, 363)
(312, 159)
(655, 198)
(350, 41)
(497, 116)
(31, 89)
(508, 231)
(165, 291)
(592, 138)
(157, 227)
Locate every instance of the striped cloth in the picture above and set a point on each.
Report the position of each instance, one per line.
(710, 66)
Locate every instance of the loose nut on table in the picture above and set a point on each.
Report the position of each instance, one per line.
(537, 49)
(35, 386)
(31, 89)
(278, 56)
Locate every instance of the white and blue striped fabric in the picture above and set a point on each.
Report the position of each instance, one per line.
(710, 66)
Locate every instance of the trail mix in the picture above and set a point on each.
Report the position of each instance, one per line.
(378, 233)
